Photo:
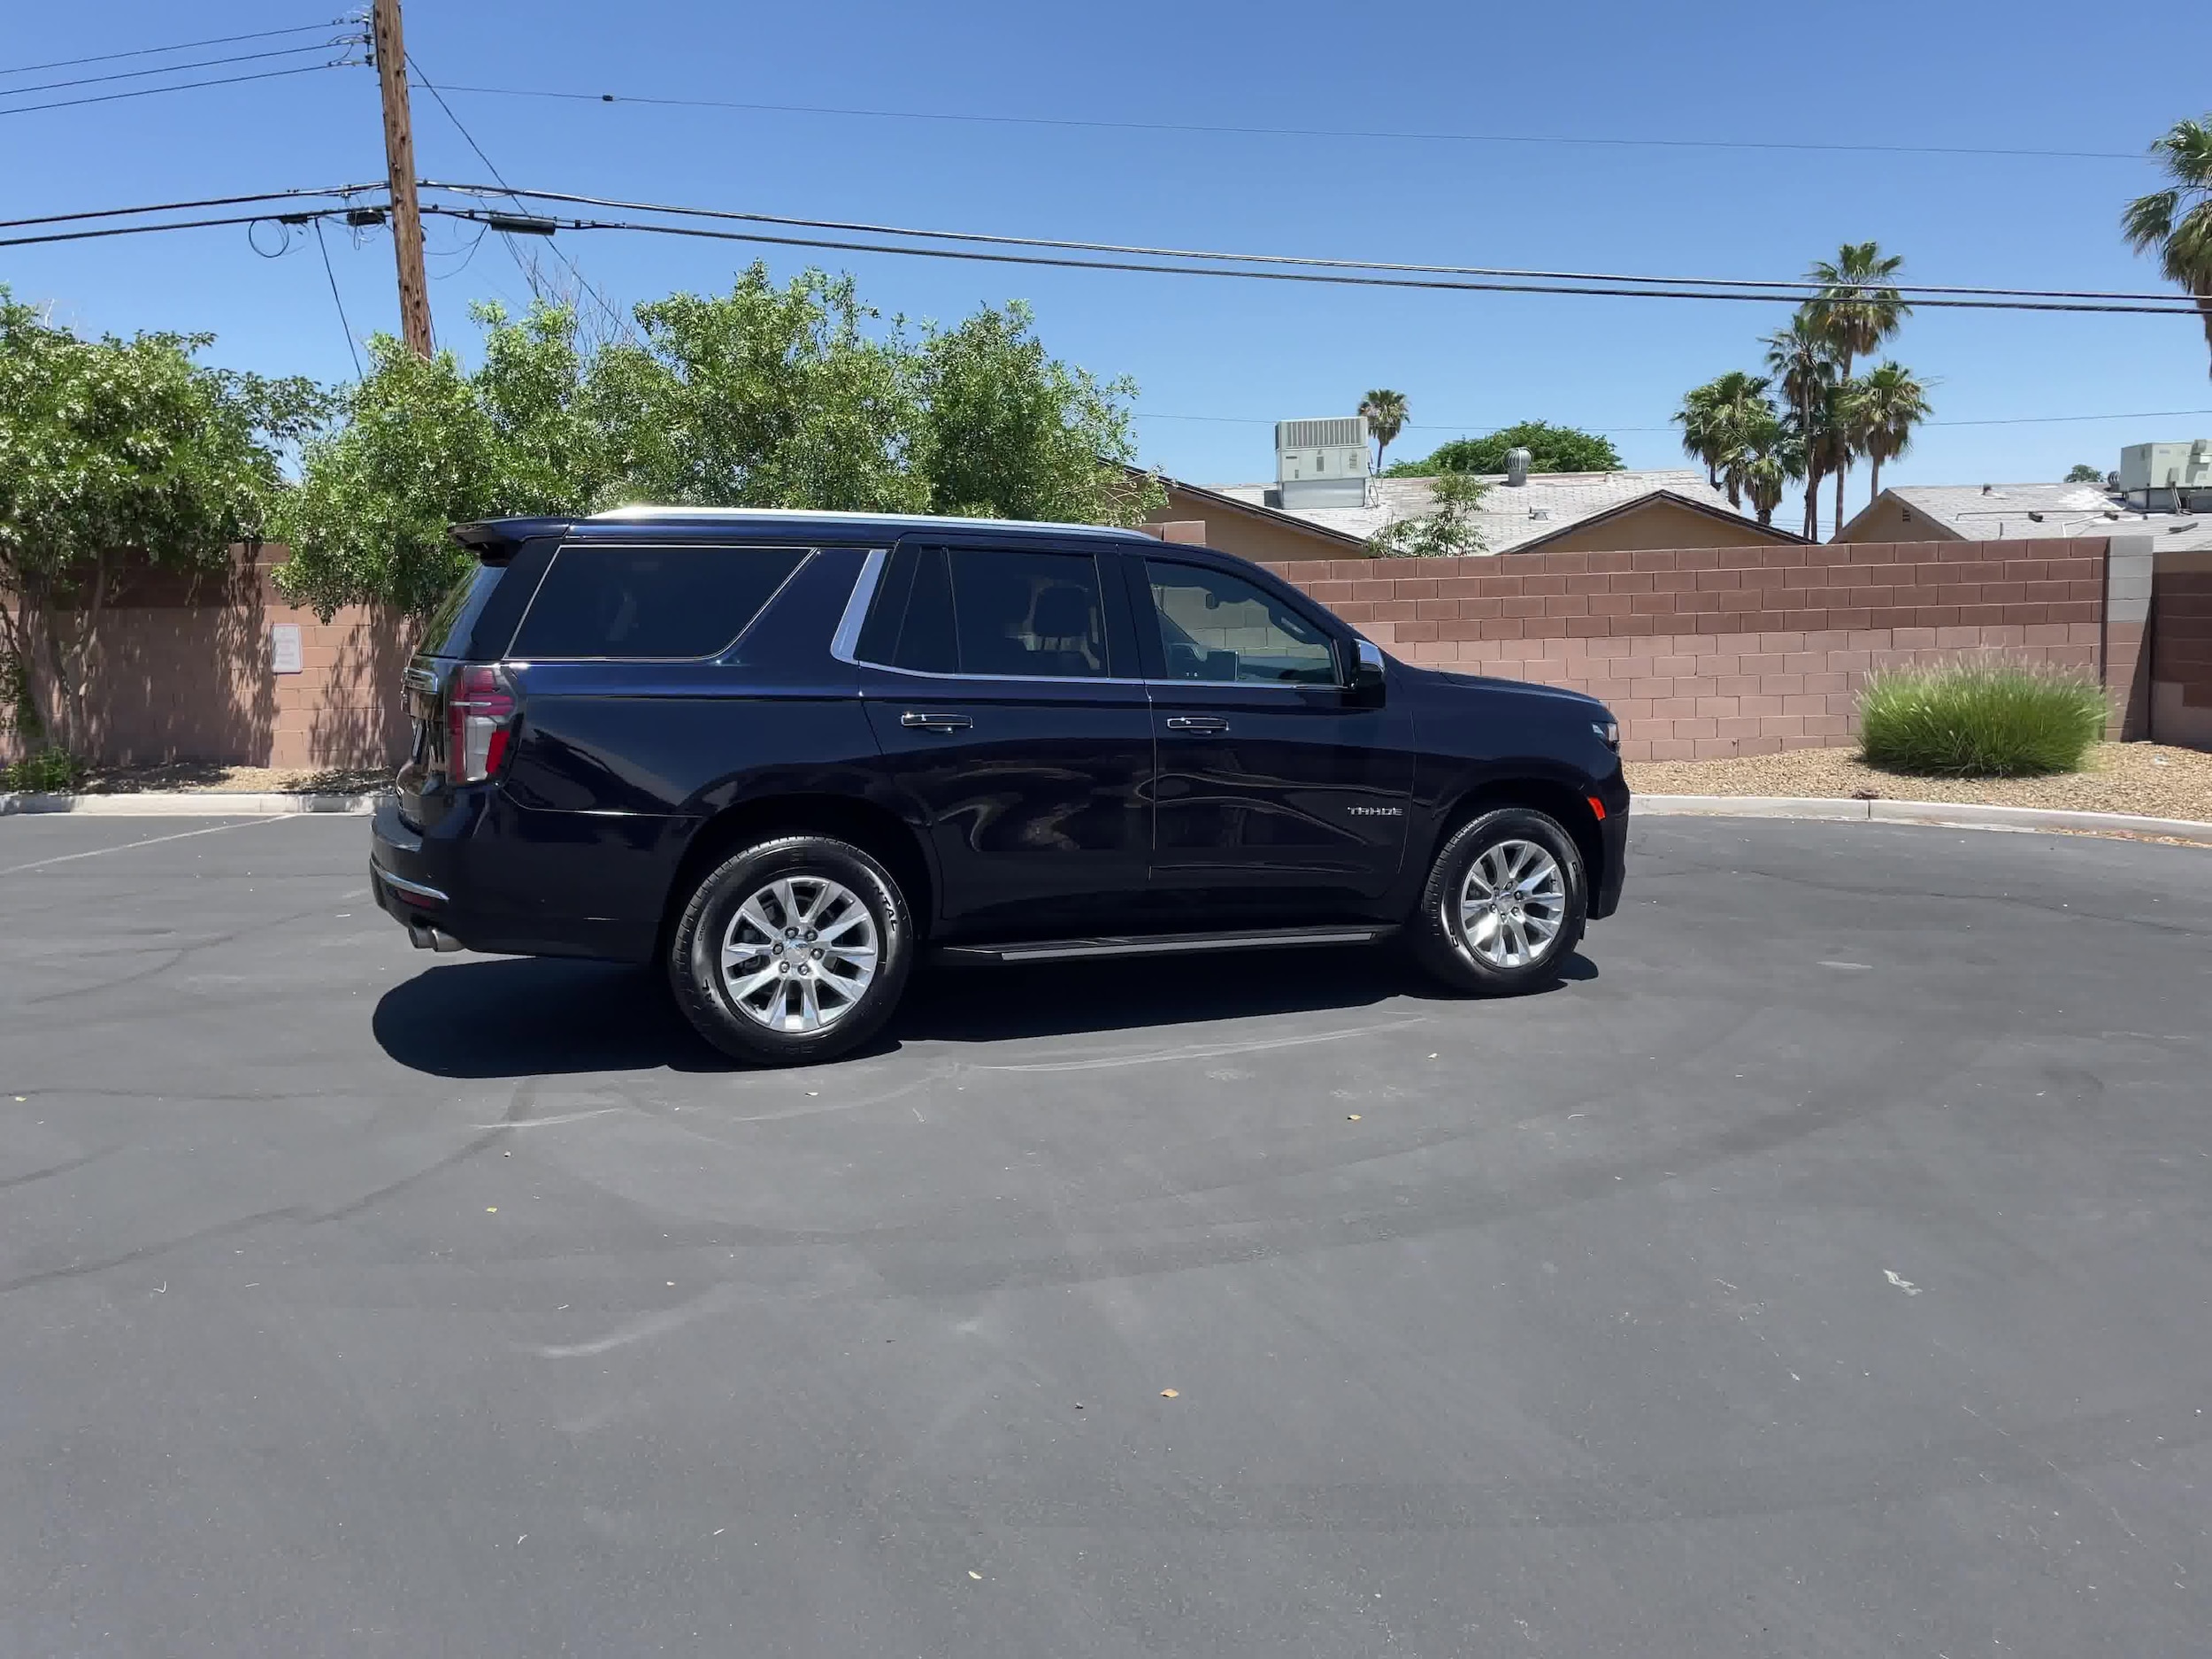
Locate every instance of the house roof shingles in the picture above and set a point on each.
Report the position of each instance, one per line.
(2002, 512)
(1509, 516)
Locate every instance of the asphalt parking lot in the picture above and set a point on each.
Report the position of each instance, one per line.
(1822, 1269)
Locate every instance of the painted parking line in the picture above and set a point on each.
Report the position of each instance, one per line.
(151, 840)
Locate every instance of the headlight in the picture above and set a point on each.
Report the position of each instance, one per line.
(1609, 734)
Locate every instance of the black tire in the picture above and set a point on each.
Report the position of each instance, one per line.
(1440, 938)
(815, 865)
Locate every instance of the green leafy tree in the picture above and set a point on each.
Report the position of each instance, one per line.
(1886, 404)
(1449, 532)
(1385, 412)
(114, 450)
(2082, 472)
(767, 395)
(1714, 418)
(1007, 431)
(1551, 450)
(2177, 221)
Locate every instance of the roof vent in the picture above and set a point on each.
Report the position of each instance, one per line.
(1989, 489)
(1516, 462)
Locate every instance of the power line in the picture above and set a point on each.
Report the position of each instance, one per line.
(1331, 277)
(1310, 131)
(181, 86)
(1469, 425)
(178, 207)
(325, 248)
(181, 224)
(1789, 287)
(178, 46)
(528, 271)
(175, 69)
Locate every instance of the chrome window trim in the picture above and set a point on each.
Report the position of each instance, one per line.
(845, 640)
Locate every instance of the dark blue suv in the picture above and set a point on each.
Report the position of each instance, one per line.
(784, 754)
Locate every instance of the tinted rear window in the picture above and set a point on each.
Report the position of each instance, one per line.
(447, 632)
(989, 611)
(658, 602)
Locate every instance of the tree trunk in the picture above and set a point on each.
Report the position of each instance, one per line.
(71, 661)
(1842, 473)
(1812, 504)
(1874, 487)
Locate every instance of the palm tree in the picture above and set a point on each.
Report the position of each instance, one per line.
(1858, 307)
(1385, 412)
(1831, 441)
(1772, 455)
(1804, 372)
(2177, 220)
(1886, 406)
(1713, 417)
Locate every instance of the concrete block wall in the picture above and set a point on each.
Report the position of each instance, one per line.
(2180, 666)
(185, 672)
(1713, 652)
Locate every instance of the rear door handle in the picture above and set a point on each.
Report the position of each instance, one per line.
(1196, 723)
(935, 722)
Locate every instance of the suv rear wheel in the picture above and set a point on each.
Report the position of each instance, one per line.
(1505, 904)
(791, 951)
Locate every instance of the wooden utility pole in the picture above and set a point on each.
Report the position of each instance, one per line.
(399, 163)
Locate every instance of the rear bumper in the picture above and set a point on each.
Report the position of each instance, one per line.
(1612, 871)
(493, 877)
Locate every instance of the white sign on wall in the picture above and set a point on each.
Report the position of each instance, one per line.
(284, 648)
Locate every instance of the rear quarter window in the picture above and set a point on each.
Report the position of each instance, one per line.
(682, 603)
(451, 624)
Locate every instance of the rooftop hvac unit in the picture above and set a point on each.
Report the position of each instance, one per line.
(1322, 463)
(2164, 476)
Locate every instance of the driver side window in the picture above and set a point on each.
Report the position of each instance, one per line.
(1220, 629)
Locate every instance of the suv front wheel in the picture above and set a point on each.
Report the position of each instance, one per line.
(793, 951)
(1505, 904)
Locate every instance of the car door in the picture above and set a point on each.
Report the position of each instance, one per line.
(1006, 692)
(1279, 788)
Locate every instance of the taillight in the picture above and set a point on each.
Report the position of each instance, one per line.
(480, 712)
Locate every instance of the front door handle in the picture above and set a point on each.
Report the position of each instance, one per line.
(1196, 723)
(935, 722)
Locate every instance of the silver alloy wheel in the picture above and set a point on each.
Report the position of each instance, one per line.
(799, 954)
(1512, 904)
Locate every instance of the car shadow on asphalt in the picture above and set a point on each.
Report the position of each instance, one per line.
(523, 1016)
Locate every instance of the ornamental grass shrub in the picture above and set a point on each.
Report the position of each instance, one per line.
(1980, 719)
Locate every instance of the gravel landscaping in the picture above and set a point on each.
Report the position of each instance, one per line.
(212, 778)
(2151, 778)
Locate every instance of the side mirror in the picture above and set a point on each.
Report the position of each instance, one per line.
(1367, 675)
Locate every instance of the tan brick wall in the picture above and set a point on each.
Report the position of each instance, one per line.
(1707, 652)
(186, 674)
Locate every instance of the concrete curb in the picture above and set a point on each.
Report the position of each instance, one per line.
(199, 803)
(1949, 814)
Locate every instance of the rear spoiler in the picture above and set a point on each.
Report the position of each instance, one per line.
(494, 540)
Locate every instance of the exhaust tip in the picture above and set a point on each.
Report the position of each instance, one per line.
(424, 937)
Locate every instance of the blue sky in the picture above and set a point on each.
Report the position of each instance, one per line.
(1218, 360)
